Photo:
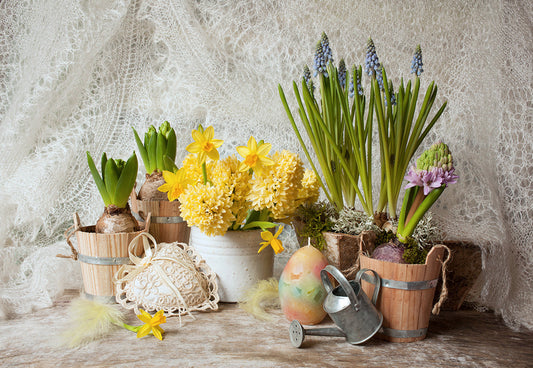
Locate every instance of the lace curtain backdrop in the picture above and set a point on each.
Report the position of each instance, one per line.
(75, 76)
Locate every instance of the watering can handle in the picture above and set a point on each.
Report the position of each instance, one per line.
(333, 271)
(376, 280)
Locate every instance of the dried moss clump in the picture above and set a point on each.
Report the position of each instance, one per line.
(317, 218)
(354, 222)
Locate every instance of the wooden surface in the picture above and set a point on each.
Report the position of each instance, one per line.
(231, 338)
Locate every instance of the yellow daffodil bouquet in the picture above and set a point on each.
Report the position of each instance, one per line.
(239, 193)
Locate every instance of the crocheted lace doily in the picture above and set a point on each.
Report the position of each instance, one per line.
(170, 277)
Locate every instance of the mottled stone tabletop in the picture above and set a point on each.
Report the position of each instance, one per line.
(232, 338)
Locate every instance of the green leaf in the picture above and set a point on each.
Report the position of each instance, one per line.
(142, 150)
(98, 180)
(103, 162)
(263, 225)
(171, 145)
(160, 150)
(151, 148)
(169, 164)
(126, 182)
(111, 178)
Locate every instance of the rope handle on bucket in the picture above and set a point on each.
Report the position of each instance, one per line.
(68, 233)
(444, 290)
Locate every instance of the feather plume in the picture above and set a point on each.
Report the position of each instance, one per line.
(263, 295)
(90, 321)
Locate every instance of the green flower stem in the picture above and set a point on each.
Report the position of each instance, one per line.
(384, 145)
(342, 160)
(297, 132)
(428, 201)
(408, 198)
(204, 173)
(129, 327)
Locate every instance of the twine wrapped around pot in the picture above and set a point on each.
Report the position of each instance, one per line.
(170, 277)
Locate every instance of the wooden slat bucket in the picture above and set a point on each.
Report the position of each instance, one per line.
(100, 256)
(406, 296)
(167, 226)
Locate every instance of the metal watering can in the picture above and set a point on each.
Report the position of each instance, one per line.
(348, 306)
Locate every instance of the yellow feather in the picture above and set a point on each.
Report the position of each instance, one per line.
(263, 295)
(90, 321)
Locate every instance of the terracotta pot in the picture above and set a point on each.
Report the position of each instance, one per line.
(406, 296)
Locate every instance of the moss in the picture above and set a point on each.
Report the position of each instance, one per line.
(316, 218)
(414, 254)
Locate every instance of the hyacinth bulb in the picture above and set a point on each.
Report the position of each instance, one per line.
(389, 252)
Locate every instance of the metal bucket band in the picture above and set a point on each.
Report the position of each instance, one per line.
(403, 334)
(104, 261)
(105, 299)
(404, 285)
(167, 220)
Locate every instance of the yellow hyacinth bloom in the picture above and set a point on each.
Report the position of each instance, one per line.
(175, 183)
(272, 240)
(151, 324)
(255, 156)
(204, 144)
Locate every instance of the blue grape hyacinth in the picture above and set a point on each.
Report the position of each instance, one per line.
(308, 80)
(372, 64)
(342, 73)
(416, 65)
(323, 56)
(357, 82)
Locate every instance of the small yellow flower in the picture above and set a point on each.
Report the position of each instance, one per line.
(255, 156)
(175, 183)
(151, 324)
(204, 144)
(272, 240)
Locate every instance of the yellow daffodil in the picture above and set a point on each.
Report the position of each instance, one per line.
(255, 156)
(272, 240)
(175, 183)
(204, 144)
(151, 324)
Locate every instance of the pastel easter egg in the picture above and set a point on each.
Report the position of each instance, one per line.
(301, 292)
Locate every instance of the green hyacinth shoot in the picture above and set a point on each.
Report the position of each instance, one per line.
(117, 180)
(158, 151)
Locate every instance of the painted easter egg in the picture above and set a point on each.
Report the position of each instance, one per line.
(301, 292)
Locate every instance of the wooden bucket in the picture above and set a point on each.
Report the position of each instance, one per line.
(406, 296)
(167, 226)
(100, 256)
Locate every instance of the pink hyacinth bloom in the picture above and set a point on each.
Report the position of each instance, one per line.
(432, 180)
(429, 180)
(449, 177)
(414, 178)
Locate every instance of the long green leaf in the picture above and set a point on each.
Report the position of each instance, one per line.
(171, 145)
(111, 179)
(161, 148)
(98, 180)
(126, 182)
(142, 150)
(151, 148)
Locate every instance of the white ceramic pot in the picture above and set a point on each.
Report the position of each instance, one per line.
(235, 260)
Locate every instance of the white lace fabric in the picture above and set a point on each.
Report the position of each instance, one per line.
(76, 76)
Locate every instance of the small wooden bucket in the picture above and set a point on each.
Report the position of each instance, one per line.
(167, 224)
(100, 256)
(406, 296)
